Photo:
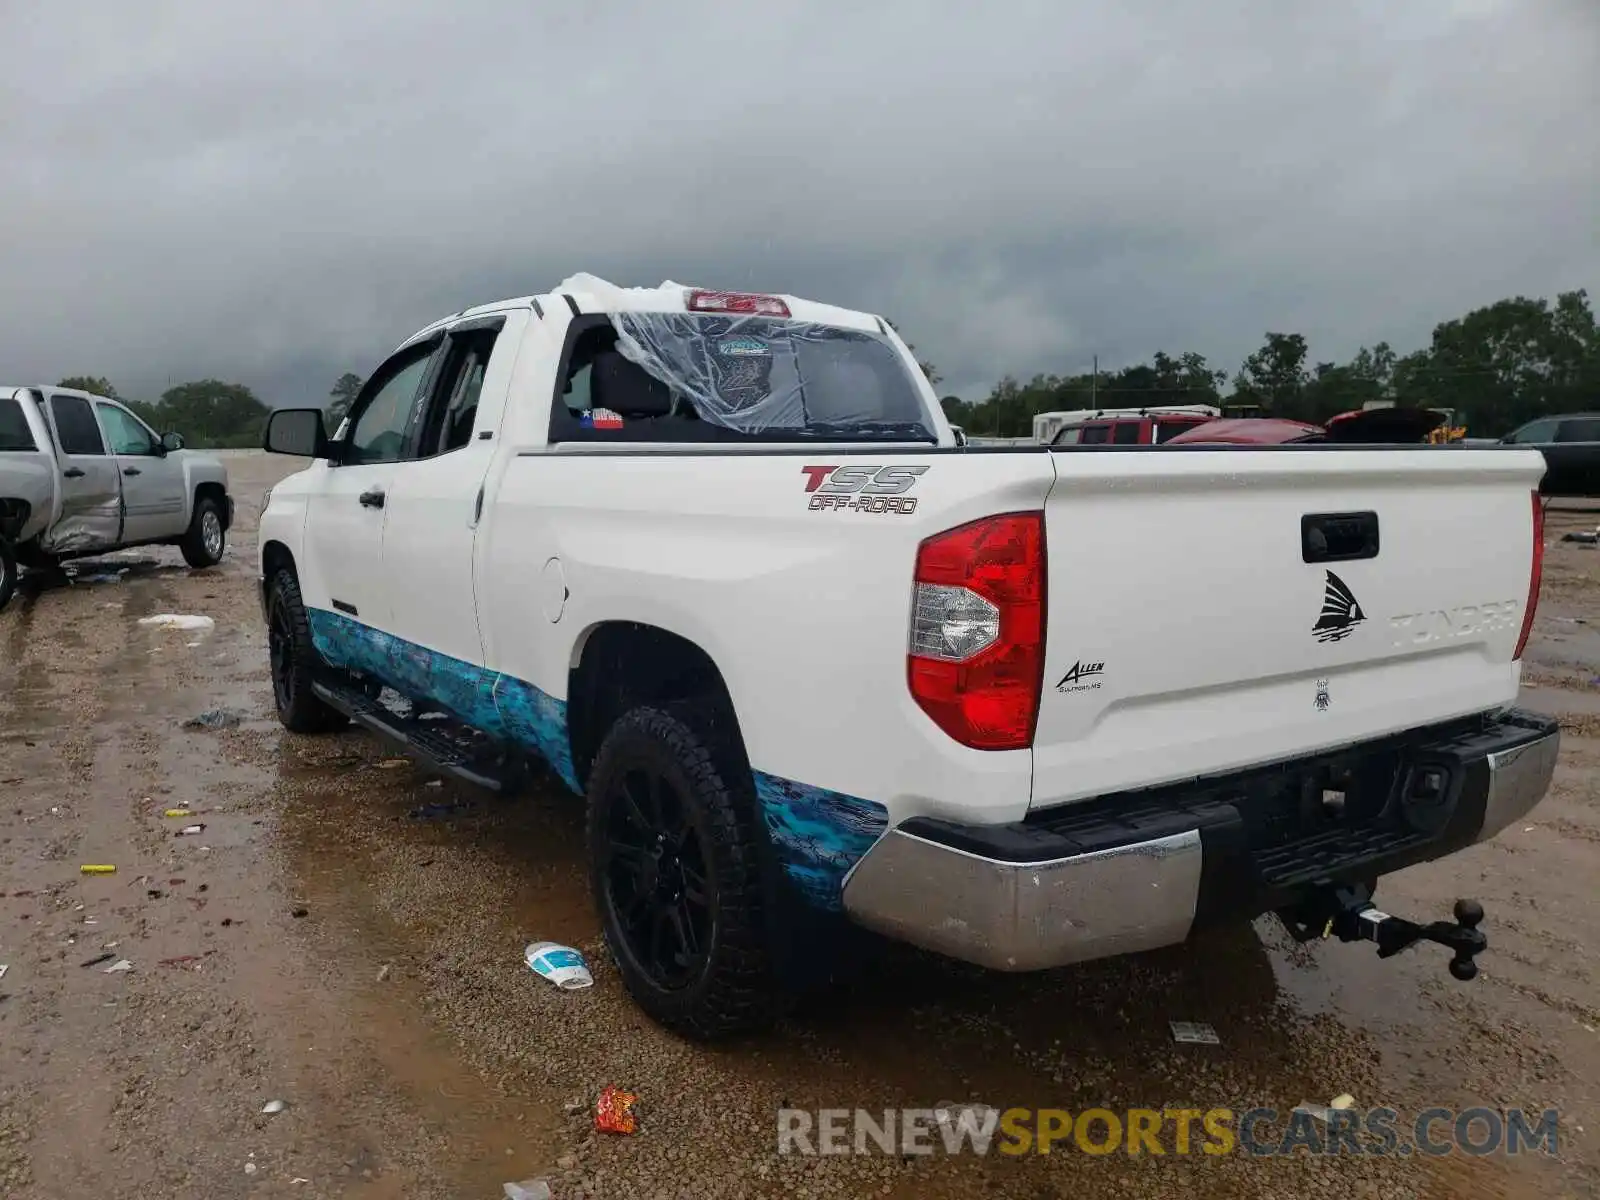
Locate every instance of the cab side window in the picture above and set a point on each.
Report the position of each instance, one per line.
(1584, 429)
(76, 429)
(1069, 436)
(453, 409)
(383, 411)
(128, 437)
(1538, 431)
(1096, 435)
(1127, 433)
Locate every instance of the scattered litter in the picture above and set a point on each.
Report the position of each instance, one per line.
(1342, 1102)
(249, 1168)
(121, 966)
(190, 831)
(383, 972)
(97, 869)
(300, 912)
(390, 764)
(528, 1189)
(1583, 539)
(1324, 1113)
(613, 1111)
(273, 1106)
(183, 960)
(4, 967)
(178, 812)
(216, 718)
(428, 811)
(76, 579)
(95, 962)
(1194, 1033)
(177, 621)
(179, 882)
(561, 965)
(299, 1179)
(1527, 829)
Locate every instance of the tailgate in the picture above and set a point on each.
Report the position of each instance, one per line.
(1188, 635)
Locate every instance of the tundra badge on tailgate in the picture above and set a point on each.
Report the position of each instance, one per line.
(872, 489)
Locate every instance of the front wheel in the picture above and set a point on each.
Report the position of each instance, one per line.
(8, 573)
(204, 544)
(675, 869)
(294, 661)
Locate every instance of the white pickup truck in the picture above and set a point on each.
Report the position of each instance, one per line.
(81, 474)
(717, 559)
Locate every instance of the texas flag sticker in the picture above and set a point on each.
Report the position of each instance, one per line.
(602, 418)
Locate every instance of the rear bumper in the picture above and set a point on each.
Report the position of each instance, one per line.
(1138, 871)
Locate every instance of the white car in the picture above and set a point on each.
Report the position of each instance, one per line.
(718, 561)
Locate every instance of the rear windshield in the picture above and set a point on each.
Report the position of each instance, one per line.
(767, 375)
(14, 431)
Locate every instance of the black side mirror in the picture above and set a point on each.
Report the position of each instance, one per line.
(296, 431)
(171, 442)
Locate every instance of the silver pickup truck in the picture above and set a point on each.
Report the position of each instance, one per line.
(81, 474)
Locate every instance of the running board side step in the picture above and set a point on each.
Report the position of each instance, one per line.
(446, 746)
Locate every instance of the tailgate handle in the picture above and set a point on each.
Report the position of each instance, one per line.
(1338, 537)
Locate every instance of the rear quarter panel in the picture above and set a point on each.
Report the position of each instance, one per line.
(803, 610)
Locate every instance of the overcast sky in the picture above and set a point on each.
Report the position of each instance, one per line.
(276, 193)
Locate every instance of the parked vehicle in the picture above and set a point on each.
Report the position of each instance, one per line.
(81, 474)
(717, 560)
(1386, 426)
(1120, 426)
(1570, 444)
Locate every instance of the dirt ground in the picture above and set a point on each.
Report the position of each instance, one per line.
(321, 945)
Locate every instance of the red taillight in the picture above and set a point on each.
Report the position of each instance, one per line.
(745, 303)
(1536, 576)
(976, 657)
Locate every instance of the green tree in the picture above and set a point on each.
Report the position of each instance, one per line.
(209, 412)
(1275, 376)
(343, 394)
(928, 369)
(97, 384)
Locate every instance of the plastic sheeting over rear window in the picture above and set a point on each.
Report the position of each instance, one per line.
(761, 374)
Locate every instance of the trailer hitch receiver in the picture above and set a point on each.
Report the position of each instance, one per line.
(1349, 914)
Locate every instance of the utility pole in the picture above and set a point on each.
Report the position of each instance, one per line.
(1094, 385)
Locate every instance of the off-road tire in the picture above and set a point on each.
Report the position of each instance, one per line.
(733, 991)
(294, 661)
(207, 540)
(9, 573)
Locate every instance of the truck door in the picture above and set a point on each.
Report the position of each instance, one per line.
(152, 482)
(345, 518)
(91, 489)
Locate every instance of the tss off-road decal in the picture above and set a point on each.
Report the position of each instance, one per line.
(863, 488)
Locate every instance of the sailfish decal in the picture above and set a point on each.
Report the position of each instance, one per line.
(1341, 612)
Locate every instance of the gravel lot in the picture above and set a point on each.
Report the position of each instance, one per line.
(364, 966)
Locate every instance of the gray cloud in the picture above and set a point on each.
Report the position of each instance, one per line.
(278, 193)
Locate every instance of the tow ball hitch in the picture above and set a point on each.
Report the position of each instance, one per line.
(1349, 914)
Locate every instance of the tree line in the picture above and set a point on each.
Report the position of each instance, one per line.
(1496, 368)
(209, 413)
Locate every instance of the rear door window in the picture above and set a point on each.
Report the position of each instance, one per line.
(1127, 433)
(14, 431)
(1539, 431)
(76, 429)
(1585, 429)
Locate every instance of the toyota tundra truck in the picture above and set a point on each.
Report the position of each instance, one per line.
(717, 562)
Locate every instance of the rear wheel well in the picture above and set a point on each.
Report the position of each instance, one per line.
(624, 665)
(213, 491)
(13, 516)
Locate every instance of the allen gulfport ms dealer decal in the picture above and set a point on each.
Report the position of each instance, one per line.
(1084, 677)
